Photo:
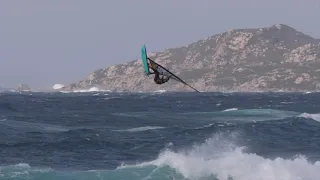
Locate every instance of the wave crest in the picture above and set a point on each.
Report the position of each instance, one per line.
(220, 158)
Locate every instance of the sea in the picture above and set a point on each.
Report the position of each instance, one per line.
(159, 136)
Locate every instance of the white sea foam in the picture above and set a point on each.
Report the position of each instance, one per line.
(315, 117)
(231, 109)
(221, 158)
(247, 115)
(160, 91)
(139, 129)
(93, 89)
(57, 86)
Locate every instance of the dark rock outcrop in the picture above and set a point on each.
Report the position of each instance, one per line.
(23, 87)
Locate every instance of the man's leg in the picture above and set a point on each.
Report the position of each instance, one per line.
(164, 79)
(167, 78)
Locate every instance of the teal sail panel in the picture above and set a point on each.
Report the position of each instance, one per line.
(144, 58)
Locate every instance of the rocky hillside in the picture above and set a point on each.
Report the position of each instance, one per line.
(276, 58)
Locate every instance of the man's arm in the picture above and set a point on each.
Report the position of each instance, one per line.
(152, 72)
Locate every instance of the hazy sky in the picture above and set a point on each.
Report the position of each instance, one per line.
(45, 42)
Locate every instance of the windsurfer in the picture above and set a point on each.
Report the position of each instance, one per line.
(158, 70)
(156, 73)
(157, 78)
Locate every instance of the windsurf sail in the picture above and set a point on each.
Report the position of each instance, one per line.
(166, 72)
(144, 58)
(162, 70)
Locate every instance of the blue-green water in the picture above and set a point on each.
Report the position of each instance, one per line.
(146, 136)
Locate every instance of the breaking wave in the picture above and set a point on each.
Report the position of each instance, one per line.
(219, 157)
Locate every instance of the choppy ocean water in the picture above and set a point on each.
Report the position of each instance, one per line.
(147, 136)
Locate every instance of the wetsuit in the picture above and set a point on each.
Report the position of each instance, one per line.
(157, 78)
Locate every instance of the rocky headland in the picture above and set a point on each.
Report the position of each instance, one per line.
(275, 58)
